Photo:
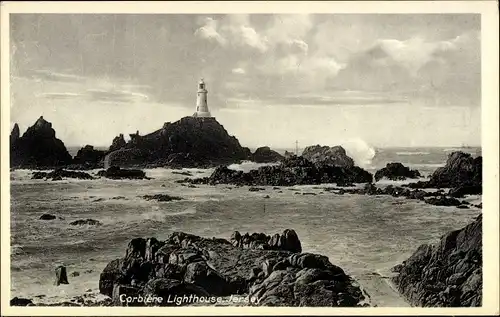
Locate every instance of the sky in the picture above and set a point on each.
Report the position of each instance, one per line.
(385, 80)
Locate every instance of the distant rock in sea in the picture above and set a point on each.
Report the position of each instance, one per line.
(291, 171)
(266, 155)
(38, 147)
(395, 172)
(189, 142)
(122, 173)
(447, 274)
(59, 174)
(186, 264)
(326, 155)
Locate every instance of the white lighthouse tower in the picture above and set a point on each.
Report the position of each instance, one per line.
(201, 101)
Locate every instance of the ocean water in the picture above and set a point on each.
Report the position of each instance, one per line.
(365, 235)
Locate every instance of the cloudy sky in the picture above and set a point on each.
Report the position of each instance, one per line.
(388, 80)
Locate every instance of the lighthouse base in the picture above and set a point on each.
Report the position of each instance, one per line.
(202, 115)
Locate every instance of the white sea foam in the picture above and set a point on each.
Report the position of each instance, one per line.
(360, 151)
(412, 153)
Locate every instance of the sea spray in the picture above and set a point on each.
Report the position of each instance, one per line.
(360, 151)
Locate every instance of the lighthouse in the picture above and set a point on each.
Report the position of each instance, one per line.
(201, 101)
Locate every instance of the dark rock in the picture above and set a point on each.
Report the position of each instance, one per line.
(75, 274)
(325, 155)
(61, 276)
(121, 173)
(168, 290)
(126, 295)
(182, 173)
(266, 155)
(443, 201)
(255, 189)
(18, 301)
(47, 217)
(89, 157)
(289, 154)
(447, 274)
(59, 174)
(118, 143)
(38, 147)
(82, 222)
(462, 191)
(396, 171)
(291, 171)
(15, 134)
(161, 197)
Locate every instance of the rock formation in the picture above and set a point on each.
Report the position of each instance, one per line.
(88, 157)
(122, 173)
(61, 276)
(189, 142)
(447, 274)
(462, 173)
(15, 134)
(266, 155)
(118, 143)
(291, 171)
(396, 171)
(185, 264)
(326, 155)
(59, 174)
(38, 147)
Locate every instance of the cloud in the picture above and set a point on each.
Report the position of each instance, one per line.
(50, 75)
(238, 70)
(210, 31)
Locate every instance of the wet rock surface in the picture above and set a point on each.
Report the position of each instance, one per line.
(269, 269)
(325, 155)
(446, 274)
(60, 174)
(122, 173)
(266, 155)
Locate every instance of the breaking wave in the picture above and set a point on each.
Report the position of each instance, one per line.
(412, 153)
(360, 151)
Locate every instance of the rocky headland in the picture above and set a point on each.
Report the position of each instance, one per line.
(446, 274)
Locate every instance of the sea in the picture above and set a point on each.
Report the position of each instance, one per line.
(365, 235)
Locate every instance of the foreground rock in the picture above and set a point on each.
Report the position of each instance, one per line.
(189, 142)
(38, 147)
(447, 274)
(266, 155)
(83, 222)
(291, 171)
(161, 197)
(122, 173)
(460, 171)
(185, 264)
(325, 155)
(396, 172)
(59, 174)
(17, 301)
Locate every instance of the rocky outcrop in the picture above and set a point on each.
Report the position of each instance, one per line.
(325, 155)
(289, 154)
(291, 171)
(88, 157)
(15, 134)
(395, 172)
(186, 264)
(38, 147)
(83, 222)
(447, 274)
(161, 197)
(17, 301)
(122, 173)
(287, 241)
(460, 171)
(189, 142)
(266, 155)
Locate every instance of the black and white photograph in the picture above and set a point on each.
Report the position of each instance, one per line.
(191, 159)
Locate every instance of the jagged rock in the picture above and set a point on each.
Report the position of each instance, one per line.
(15, 134)
(161, 197)
(38, 148)
(82, 222)
(396, 171)
(447, 274)
(121, 173)
(186, 264)
(88, 157)
(61, 276)
(47, 217)
(266, 155)
(443, 201)
(460, 192)
(325, 155)
(118, 143)
(289, 154)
